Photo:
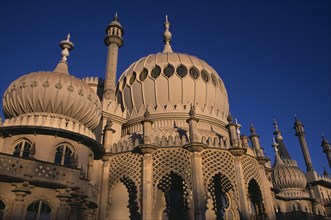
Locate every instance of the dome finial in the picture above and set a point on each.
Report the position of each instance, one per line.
(167, 37)
(116, 17)
(66, 45)
(276, 125)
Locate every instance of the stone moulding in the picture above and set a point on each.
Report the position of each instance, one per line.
(50, 120)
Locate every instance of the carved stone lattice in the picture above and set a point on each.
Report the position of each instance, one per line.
(250, 170)
(123, 166)
(175, 160)
(216, 161)
(46, 171)
(11, 165)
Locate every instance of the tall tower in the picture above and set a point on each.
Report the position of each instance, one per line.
(113, 41)
(326, 149)
(300, 133)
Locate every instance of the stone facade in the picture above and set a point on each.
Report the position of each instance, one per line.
(159, 144)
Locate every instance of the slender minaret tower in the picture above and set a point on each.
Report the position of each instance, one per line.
(300, 133)
(326, 149)
(113, 41)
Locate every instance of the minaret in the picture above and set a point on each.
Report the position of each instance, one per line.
(113, 41)
(300, 133)
(326, 149)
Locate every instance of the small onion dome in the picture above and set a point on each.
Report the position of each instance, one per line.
(53, 92)
(287, 177)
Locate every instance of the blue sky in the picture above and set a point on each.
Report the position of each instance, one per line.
(273, 56)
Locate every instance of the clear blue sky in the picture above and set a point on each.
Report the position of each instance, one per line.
(273, 56)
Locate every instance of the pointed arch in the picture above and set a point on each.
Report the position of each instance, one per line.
(124, 200)
(65, 155)
(175, 194)
(22, 148)
(38, 210)
(257, 210)
(221, 204)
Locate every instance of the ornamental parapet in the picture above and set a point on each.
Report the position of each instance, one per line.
(50, 120)
(45, 174)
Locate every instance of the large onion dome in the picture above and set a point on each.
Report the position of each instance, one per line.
(287, 177)
(172, 79)
(53, 92)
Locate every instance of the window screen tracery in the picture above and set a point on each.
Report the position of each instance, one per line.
(143, 74)
(22, 148)
(204, 75)
(156, 72)
(38, 210)
(181, 71)
(169, 70)
(64, 155)
(194, 72)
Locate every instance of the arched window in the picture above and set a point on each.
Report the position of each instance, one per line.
(38, 210)
(22, 148)
(64, 155)
(2, 209)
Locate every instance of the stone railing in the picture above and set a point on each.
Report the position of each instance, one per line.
(45, 174)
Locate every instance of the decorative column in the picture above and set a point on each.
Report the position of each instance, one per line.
(104, 188)
(113, 41)
(300, 133)
(146, 149)
(255, 138)
(233, 127)
(64, 209)
(326, 149)
(243, 205)
(195, 147)
(21, 190)
(108, 135)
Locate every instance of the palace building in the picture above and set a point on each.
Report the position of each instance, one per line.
(158, 144)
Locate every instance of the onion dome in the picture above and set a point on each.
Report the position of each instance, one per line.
(53, 92)
(285, 176)
(172, 79)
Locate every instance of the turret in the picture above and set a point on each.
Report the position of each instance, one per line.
(113, 41)
(326, 149)
(233, 129)
(255, 142)
(300, 133)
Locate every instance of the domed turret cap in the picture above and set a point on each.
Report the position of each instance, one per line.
(53, 92)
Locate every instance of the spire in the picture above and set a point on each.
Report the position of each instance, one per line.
(66, 45)
(278, 160)
(277, 131)
(283, 153)
(167, 37)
